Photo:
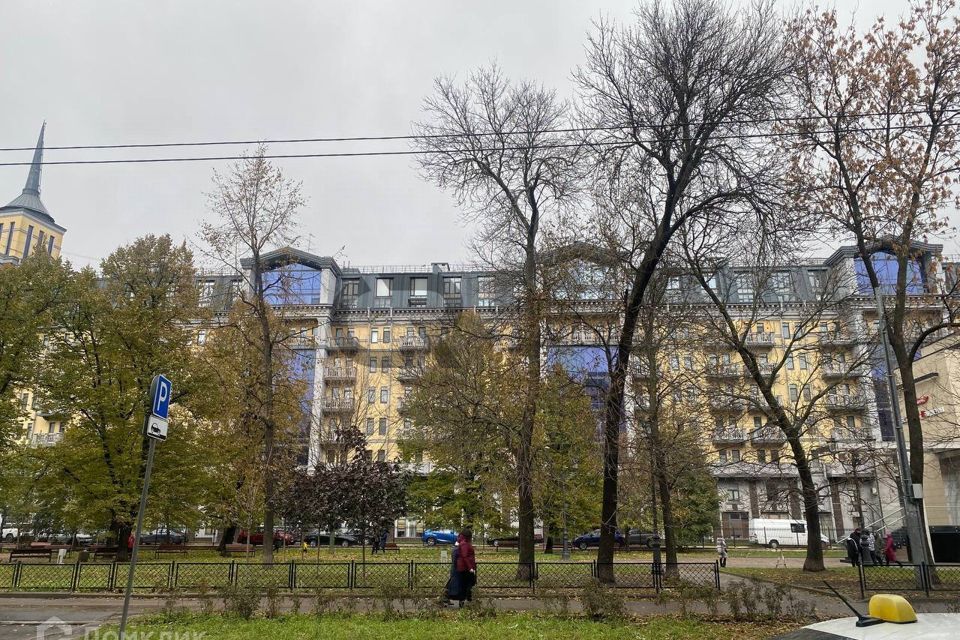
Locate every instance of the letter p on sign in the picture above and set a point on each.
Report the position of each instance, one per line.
(160, 390)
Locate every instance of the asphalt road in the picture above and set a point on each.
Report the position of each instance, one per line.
(58, 618)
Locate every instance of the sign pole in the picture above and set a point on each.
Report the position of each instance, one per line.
(136, 539)
(154, 428)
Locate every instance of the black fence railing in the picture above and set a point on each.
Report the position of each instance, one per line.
(910, 577)
(345, 576)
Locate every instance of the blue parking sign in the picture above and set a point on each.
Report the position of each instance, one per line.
(160, 390)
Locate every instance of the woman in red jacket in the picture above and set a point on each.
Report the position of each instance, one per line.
(466, 565)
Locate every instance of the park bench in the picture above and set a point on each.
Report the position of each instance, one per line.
(236, 547)
(170, 548)
(104, 552)
(31, 553)
(391, 546)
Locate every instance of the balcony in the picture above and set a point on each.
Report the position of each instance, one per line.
(336, 405)
(769, 434)
(728, 436)
(301, 342)
(845, 402)
(839, 372)
(340, 374)
(452, 301)
(724, 370)
(408, 374)
(847, 436)
(835, 338)
(726, 405)
(759, 340)
(341, 343)
(417, 301)
(45, 439)
(413, 343)
(403, 404)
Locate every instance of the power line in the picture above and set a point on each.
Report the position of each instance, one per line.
(414, 152)
(479, 134)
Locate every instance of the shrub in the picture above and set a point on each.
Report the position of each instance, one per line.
(239, 601)
(601, 602)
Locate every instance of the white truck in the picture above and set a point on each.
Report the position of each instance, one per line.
(773, 533)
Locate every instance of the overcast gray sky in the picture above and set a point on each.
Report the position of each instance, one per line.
(118, 71)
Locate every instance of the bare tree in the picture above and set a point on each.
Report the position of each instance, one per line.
(785, 342)
(255, 208)
(495, 145)
(877, 153)
(676, 102)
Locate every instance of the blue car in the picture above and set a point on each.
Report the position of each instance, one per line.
(592, 539)
(433, 537)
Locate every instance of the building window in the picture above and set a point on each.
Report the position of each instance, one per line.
(815, 280)
(451, 292)
(486, 296)
(418, 292)
(407, 424)
(733, 495)
(382, 427)
(40, 237)
(381, 456)
(807, 394)
(723, 455)
(383, 291)
(206, 291)
(782, 285)
(201, 336)
(790, 363)
(762, 456)
(744, 288)
(794, 393)
(674, 362)
(774, 455)
(350, 294)
(386, 335)
(803, 361)
(785, 330)
(50, 245)
(374, 336)
(371, 395)
(13, 225)
(735, 455)
(688, 362)
(757, 422)
(373, 365)
(26, 245)
(384, 395)
(385, 364)
(369, 426)
(236, 290)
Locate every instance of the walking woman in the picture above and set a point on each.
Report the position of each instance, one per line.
(466, 564)
(890, 551)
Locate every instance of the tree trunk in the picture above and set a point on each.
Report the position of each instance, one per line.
(531, 337)
(226, 538)
(123, 536)
(669, 528)
(811, 506)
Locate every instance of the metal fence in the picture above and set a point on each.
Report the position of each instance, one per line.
(910, 577)
(350, 576)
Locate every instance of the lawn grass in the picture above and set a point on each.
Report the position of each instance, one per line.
(843, 579)
(452, 626)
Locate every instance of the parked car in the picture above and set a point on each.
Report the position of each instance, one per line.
(315, 538)
(637, 538)
(9, 534)
(512, 541)
(592, 539)
(280, 538)
(433, 537)
(164, 537)
(64, 537)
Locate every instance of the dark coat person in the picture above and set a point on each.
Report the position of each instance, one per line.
(453, 582)
(466, 563)
(852, 543)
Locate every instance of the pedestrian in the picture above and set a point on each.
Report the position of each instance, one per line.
(872, 546)
(852, 543)
(452, 590)
(383, 541)
(890, 550)
(375, 543)
(864, 547)
(722, 551)
(466, 566)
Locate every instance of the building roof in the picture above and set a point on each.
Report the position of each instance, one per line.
(29, 200)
